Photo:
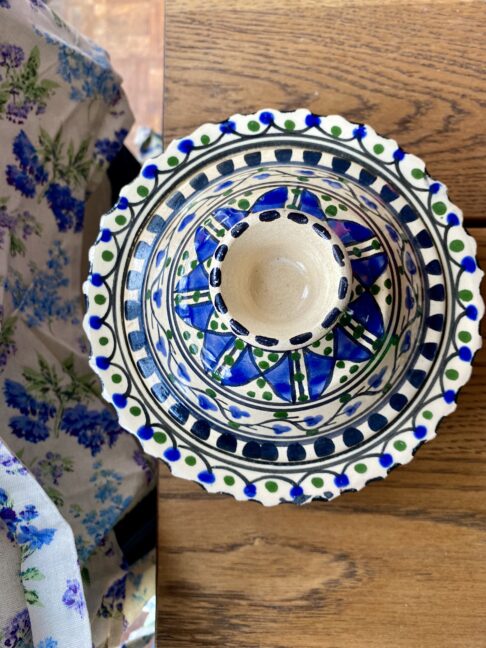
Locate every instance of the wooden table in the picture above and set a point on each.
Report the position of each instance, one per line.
(403, 562)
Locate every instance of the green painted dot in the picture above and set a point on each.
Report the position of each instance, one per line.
(205, 140)
(173, 161)
(361, 468)
(331, 210)
(427, 414)
(343, 379)
(267, 395)
(378, 149)
(186, 335)
(400, 446)
(316, 344)
(418, 174)
(303, 398)
(271, 486)
(169, 334)
(465, 295)
(388, 299)
(465, 336)
(356, 251)
(289, 125)
(345, 398)
(295, 355)
(388, 283)
(224, 327)
(358, 332)
(116, 378)
(375, 289)
(263, 365)
(142, 191)
(327, 350)
(160, 437)
(135, 411)
(107, 255)
(299, 377)
(99, 299)
(234, 425)
(228, 360)
(229, 480)
(193, 349)
(103, 341)
(354, 369)
(243, 204)
(336, 131)
(120, 220)
(273, 357)
(200, 335)
(190, 460)
(258, 352)
(317, 482)
(452, 374)
(280, 415)
(340, 364)
(239, 344)
(251, 394)
(261, 382)
(456, 246)
(342, 207)
(376, 245)
(213, 325)
(329, 337)
(326, 197)
(254, 126)
(439, 208)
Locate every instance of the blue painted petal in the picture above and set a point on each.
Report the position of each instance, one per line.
(242, 371)
(319, 372)
(271, 199)
(348, 349)
(365, 310)
(368, 270)
(197, 279)
(309, 203)
(214, 346)
(228, 216)
(197, 315)
(204, 244)
(350, 233)
(279, 379)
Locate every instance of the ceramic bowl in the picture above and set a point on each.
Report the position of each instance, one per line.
(283, 306)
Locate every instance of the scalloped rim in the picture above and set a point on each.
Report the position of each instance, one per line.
(275, 487)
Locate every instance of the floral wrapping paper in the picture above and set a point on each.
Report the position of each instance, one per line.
(68, 472)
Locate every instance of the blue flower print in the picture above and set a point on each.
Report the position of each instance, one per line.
(73, 597)
(113, 600)
(68, 211)
(48, 642)
(30, 172)
(17, 632)
(11, 465)
(107, 149)
(11, 56)
(31, 423)
(376, 379)
(39, 296)
(93, 429)
(33, 538)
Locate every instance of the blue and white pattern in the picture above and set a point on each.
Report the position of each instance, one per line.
(68, 472)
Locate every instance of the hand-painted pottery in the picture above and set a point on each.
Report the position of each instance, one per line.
(283, 306)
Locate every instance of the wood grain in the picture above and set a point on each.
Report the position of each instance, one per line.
(413, 70)
(403, 562)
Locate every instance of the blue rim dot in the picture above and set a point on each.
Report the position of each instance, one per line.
(434, 187)
(227, 126)
(96, 279)
(386, 460)
(398, 154)
(296, 491)
(122, 203)
(468, 263)
(95, 322)
(185, 146)
(150, 171)
(119, 400)
(312, 120)
(453, 219)
(145, 432)
(420, 431)
(465, 354)
(206, 477)
(172, 454)
(250, 490)
(102, 362)
(472, 312)
(105, 235)
(266, 117)
(359, 132)
(341, 481)
(450, 396)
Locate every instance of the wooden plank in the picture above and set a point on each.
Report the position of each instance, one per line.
(402, 563)
(413, 70)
